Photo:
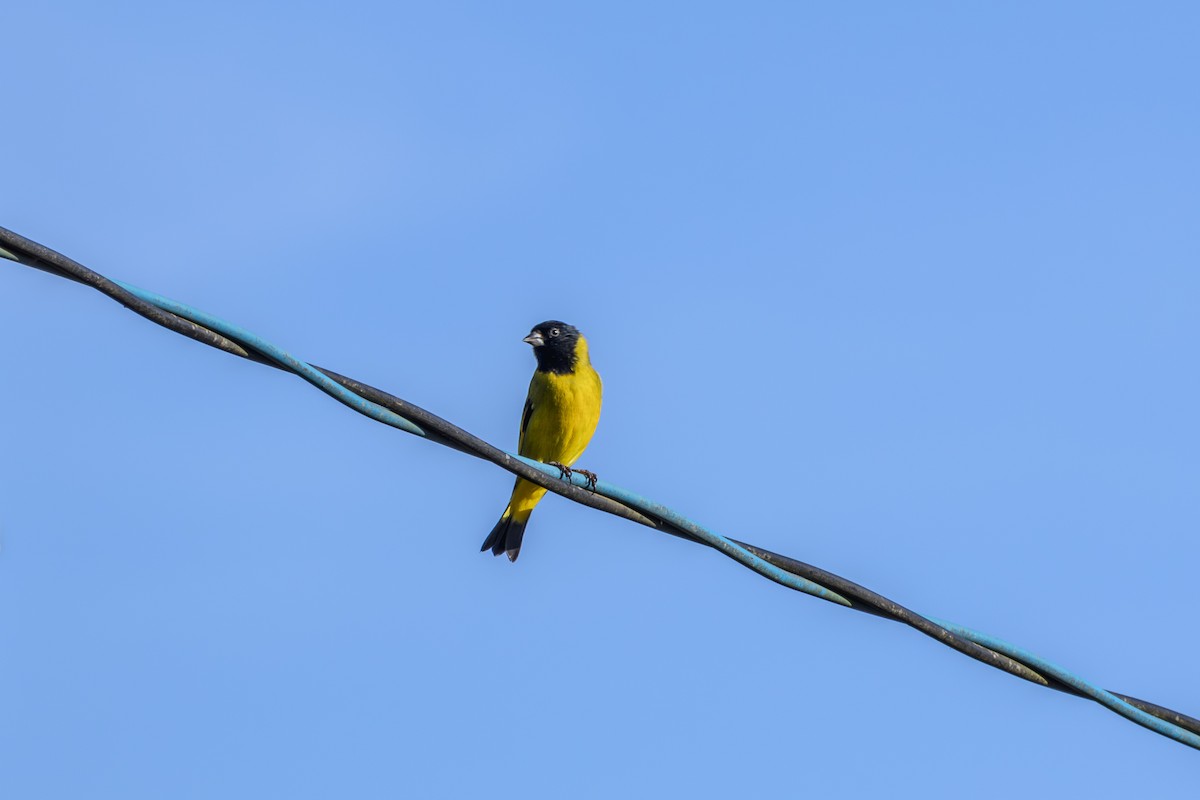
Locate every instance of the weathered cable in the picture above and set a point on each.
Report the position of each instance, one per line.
(398, 413)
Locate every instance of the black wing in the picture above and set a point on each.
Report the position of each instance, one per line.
(525, 415)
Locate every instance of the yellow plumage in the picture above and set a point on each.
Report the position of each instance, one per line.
(562, 410)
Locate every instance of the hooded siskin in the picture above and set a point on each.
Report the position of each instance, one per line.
(561, 413)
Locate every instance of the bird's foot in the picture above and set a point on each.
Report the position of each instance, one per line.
(564, 472)
(591, 478)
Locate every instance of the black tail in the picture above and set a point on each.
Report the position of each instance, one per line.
(506, 537)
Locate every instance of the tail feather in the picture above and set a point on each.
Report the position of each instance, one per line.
(506, 536)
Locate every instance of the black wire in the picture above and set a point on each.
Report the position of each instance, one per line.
(444, 432)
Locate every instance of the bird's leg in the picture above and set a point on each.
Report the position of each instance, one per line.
(591, 478)
(564, 472)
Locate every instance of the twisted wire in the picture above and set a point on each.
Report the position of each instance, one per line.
(398, 413)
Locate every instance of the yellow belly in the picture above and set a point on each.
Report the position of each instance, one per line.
(564, 415)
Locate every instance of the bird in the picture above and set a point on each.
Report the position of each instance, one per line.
(561, 412)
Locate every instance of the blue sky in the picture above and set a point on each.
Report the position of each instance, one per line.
(907, 291)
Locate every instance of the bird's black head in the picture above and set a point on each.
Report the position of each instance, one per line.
(554, 344)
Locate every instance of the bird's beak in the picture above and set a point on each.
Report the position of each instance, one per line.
(534, 339)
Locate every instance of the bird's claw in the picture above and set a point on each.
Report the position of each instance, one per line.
(565, 473)
(591, 478)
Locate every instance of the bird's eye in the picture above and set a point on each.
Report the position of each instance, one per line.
(554, 331)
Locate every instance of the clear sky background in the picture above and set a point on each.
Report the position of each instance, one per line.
(907, 291)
